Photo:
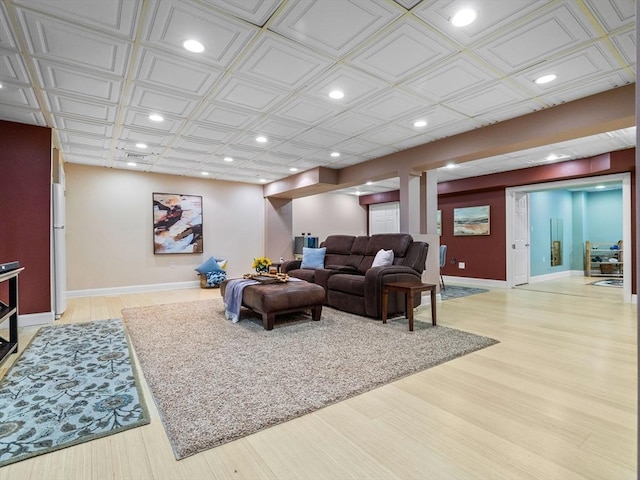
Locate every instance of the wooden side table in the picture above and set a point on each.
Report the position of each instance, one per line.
(408, 288)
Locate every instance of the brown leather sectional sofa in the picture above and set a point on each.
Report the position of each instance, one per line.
(351, 284)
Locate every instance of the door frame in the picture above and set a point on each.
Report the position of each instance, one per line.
(625, 178)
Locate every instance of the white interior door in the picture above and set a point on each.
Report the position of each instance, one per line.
(520, 243)
(384, 218)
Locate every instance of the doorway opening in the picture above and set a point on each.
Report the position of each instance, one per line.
(518, 258)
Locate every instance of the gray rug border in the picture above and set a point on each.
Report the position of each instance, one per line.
(146, 420)
(413, 369)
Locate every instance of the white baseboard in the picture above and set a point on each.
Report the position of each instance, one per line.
(475, 282)
(31, 319)
(100, 292)
(556, 275)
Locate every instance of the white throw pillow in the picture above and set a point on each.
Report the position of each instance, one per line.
(384, 258)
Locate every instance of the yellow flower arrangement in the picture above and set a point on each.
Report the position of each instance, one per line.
(261, 264)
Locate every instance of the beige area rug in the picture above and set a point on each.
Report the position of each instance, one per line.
(215, 381)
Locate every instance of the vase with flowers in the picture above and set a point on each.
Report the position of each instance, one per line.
(261, 264)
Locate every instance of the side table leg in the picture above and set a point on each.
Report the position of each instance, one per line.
(409, 304)
(433, 306)
(385, 294)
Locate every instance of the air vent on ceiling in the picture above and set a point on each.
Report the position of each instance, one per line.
(137, 156)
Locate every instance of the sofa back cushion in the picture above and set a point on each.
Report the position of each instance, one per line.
(338, 248)
(398, 242)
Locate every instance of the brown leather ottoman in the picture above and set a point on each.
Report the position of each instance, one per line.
(276, 298)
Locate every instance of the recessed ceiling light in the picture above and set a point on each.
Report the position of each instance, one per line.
(0, 85)
(293, 169)
(132, 164)
(205, 173)
(262, 180)
(463, 17)
(336, 94)
(545, 79)
(420, 123)
(155, 117)
(335, 154)
(450, 165)
(228, 159)
(369, 183)
(600, 187)
(554, 156)
(141, 145)
(193, 46)
(261, 139)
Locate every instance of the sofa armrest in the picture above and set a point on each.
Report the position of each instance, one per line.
(374, 280)
(290, 265)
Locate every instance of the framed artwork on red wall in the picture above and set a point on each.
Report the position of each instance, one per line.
(177, 223)
(470, 221)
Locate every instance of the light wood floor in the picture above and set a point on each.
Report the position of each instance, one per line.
(556, 399)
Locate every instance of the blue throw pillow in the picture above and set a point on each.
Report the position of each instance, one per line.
(210, 265)
(313, 257)
(216, 278)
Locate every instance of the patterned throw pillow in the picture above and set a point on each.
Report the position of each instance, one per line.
(216, 278)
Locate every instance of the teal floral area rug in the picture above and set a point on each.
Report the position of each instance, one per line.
(73, 383)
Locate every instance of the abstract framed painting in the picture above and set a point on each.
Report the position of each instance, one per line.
(177, 223)
(471, 221)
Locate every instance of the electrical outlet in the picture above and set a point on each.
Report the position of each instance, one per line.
(461, 265)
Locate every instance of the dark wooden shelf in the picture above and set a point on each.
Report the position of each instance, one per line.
(10, 310)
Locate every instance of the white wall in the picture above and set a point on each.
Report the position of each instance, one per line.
(110, 227)
(329, 214)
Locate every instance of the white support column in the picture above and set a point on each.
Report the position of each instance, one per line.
(430, 206)
(409, 202)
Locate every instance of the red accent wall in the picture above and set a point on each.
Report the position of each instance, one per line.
(484, 254)
(25, 199)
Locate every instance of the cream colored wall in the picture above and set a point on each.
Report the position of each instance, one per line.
(110, 227)
(329, 214)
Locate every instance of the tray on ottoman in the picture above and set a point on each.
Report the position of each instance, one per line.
(271, 299)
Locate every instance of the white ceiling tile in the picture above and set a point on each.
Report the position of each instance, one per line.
(94, 152)
(579, 90)
(613, 14)
(246, 93)
(627, 44)
(85, 160)
(83, 47)
(279, 128)
(18, 95)
(7, 38)
(193, 145)
(171, 22)
(295, 149)
(226, 115)
(12, 67)
(389, 135)
(558, 30)
(207, 132)
(83, 126)
(180, 158)
(91, 141)
(162, 101)
(357, 86)
(507, 111)
(350, 123)
(309, 111)
(176, 73)
(16, 114)
(393, 105)
(492, 16)
(484, 100)
(402, 51)
(254, 11)
(334, 27)
(81, 107)
(451, 78)
(152, 139)
(356, 146)
(74, 81)
(322, 138)
(115, 16)
(288, 66)
(137, 119)
(408, 4)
